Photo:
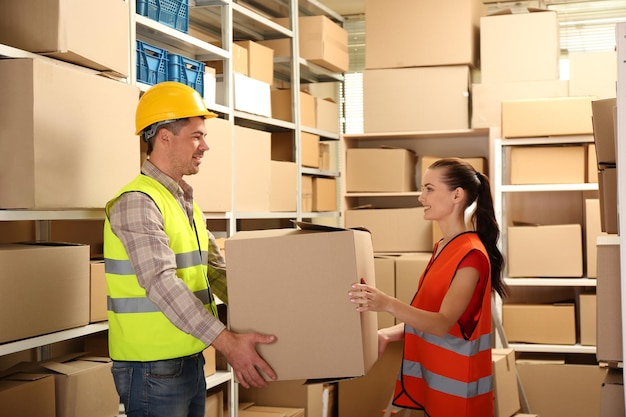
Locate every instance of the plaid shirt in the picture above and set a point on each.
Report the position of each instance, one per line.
(138, 223)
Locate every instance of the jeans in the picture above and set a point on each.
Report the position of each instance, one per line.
(168, 388)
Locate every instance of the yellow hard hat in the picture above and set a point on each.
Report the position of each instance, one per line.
(167, 101)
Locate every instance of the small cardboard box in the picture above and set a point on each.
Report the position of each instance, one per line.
(604, 124)
(520, 46)
(260, 61)
(94, 34)
(546, 117)
(505, 382)
(282, 107)
(283, 186)
(266, 267)
(363, 175)
(394, 230)
(214, 404)
(548, 164)
(253, 169)
(52, 292)
(97, 292)
(55, 153)
(609, 300)
(540, 323)
(593, 229)
(587, 319)
(531, 251)
(324, 194)
(607, 184)
(326, 115)
(307, 193)
(27, 395)
(416, 99)
(447, 33)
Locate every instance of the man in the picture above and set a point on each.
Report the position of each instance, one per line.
(161, 265)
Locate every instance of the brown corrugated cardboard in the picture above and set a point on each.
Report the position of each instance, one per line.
(385, 269)
(260, 61)
(587, 319)
(55, 153)
(394, 230)
(604, 130)
(97, 292)
(283, 147)
(52, 292)
(211, 195)
(282, 107)
(593, 229)
(326, 115)
(537, 164)
(293, 394)
(546, 117)
(416, 99)
(309, 150)
(307, 193)
(363, 173)
(324, 194)
(505, 382)
(409, 269)
(252, 169)
(609, 334)
(532, 251)
(95, 34)
(238, 62)
(210, 364)
(424, 161)
(214, 404)
(593, 74)
(27, 395)
(446, 32)
(264, 411)
(283, 186)
(607, 184)
(612, 393)
(592, 164)
(267, 267)
(540, 323)
(520, 46)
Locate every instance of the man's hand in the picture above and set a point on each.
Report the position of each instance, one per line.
(240, 352)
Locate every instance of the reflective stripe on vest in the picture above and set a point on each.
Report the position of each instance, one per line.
(448, 375)
(138, 331)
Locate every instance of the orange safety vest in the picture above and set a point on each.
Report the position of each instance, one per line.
(450, 375)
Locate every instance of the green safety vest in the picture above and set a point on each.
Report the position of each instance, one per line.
(138, 330)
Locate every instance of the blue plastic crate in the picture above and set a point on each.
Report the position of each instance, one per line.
(173, 13)
(152, 63)
(186, 71)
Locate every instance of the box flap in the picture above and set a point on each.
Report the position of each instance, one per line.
(518, 10)
(23, 376)
(324, 228)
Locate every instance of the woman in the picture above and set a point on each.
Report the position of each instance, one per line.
(446, 368)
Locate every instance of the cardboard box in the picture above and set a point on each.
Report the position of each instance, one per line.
(487, 97)
(546, 117)
(324, 260)
(282, 107)
(593, 229)
(416, 99)
(95, 34)
(593, 74)
(283, 148)
(609, 300)
(325, 156)
(283, 145)
(424, 161)
(612, 393)
(505, 382)
(283, 186)
(238, 61)
(252, 169)
(250, 95)
(394, 230)
(447, 33)
(385, 270)
(592, 164)
(307, 193)
(324, 194)
(52, 292)
(260, 61)
(409, 269)
(548, 164)
(363, 173)
(264, 411)
(587, 319)
(531, 251)
(214, 404)
(55, 153)
(607, 185)
(520, 46)
(97, 292)
(558, 389)
(210, 361)
(27, 395)
(321, 41)
(604, 130)
(326, 115)
(540, 323)
(211, 195)
(294, 394)
(309, 150)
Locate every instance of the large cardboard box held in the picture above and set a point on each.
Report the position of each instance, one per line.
(546, 117)
(548, 164)
(520, 46)
(540, 323)
(27, 395)
(394, 230)
(267, 267)
(75, 130)
(363, 175)
(93, 34)
(416, 99)
(446, 32)
(45, 285)
(531, 251)
(609, 300)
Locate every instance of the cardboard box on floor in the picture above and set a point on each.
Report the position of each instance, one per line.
(447, 33)
(27, 395)
(94, 34)
(362, 174)
(298, 280)
(52, 292)
(506, 393)
(73, 127)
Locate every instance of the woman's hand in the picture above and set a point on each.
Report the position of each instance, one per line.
(369, 298)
